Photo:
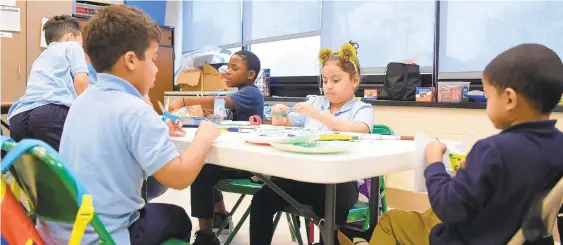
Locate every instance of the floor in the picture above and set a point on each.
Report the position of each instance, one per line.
(182, 198)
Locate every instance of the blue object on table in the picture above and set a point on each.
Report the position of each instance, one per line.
(478, 98)
(190, 122)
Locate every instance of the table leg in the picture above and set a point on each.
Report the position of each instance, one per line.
(302, 209)
(329, 226)
(374, 203)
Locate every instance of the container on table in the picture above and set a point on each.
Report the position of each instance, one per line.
(424, 94)
(453, 92)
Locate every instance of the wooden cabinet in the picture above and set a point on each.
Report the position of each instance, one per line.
(165, 76)
(13, 60)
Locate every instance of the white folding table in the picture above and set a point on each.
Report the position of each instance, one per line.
(364, 160)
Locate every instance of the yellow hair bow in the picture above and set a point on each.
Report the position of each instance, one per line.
(346, 53)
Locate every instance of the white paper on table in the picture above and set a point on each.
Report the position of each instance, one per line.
(9, 19)
(421, 140)
(43, 43)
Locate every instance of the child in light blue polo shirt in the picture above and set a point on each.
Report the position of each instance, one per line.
(57, 77)
(338, 111)
(113, 140)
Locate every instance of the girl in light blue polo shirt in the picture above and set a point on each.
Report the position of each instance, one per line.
(338, 111)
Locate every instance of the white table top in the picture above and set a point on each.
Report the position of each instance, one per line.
(364, 160)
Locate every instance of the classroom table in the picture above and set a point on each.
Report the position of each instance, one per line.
(364, 160)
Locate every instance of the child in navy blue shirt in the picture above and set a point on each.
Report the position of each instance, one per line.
(57, 77)
(207, 203)
(486, 201)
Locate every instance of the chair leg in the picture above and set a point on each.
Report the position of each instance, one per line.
(297, 229)
(237, 227)
(224, 224)
(290, 225)
(277, 220)
(382, 196)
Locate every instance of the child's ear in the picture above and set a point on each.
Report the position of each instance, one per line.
(356, 80)
(252, 75)
(511, 98)
(130, 60)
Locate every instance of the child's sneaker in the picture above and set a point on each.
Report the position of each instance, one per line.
(218, 221)
(205, 239)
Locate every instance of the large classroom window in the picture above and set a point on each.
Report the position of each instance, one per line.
(473, 33)
(213, 23)
(386, 31)
(294, 57)
(284, 35)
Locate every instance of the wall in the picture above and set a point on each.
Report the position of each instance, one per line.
(155, 9)
(174, 16)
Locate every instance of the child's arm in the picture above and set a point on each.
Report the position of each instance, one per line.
(206, 102)
(78, 67)
(182, 171)
(361, 123)
(457, 199)
(149, 142)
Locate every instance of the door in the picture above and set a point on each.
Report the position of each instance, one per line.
(165, 76)
(13, 60)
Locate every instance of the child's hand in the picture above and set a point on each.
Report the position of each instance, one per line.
(434, 152)
(208, 132)
(175, 128)
(278, 120)
(175, 104)
(307, 109)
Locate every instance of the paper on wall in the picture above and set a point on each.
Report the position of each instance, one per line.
(421, 140)
(43, 43)
(9, 19)
(6, 34)
(11, 3)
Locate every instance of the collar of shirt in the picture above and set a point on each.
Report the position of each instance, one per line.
(111, 82)
(546, 126)
(325, 105)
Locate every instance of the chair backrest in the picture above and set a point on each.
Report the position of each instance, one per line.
(549, 209)
(382, 129)
(50, 185)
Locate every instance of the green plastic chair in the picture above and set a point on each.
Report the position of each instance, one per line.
(53, 192)
(244, 187)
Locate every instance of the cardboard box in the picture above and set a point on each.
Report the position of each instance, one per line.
(371, 94)
(207, 79)
(424, 94)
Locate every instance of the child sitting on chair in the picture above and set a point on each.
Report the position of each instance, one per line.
(57, 77)
(113, 140)
(338, 111)
(207, 203)
(487, 200)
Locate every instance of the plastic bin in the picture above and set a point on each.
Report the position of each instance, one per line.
(453, 92)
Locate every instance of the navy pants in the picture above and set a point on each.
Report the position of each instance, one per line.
(160, 222)
(266, 203)
(44, 123)
(203, 193)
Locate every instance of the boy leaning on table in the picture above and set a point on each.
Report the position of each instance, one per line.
(486, 201)
(113, 140)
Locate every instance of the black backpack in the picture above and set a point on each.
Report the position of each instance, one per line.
(401, 81)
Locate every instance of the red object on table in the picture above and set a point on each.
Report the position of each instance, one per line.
(255, 120)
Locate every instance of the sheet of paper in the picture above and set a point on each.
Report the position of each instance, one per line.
(11, 3)
(421, 140)
(43, 43)
(6, 34)
(9, 19)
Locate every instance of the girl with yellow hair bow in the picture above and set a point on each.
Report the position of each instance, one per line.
(337, 110)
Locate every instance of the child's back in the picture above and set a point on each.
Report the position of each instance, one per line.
(51, 77)
(507, 171)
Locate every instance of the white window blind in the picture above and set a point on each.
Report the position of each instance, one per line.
(472, 33)
(386, 31)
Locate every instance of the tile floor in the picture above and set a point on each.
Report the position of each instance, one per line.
(182, 198)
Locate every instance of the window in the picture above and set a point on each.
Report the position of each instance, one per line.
(270, 19)
(473, 33)
(212, 22)
(386, 31)
(294, 57)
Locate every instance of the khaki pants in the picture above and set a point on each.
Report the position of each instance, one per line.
(404, 228)
(399, 227)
